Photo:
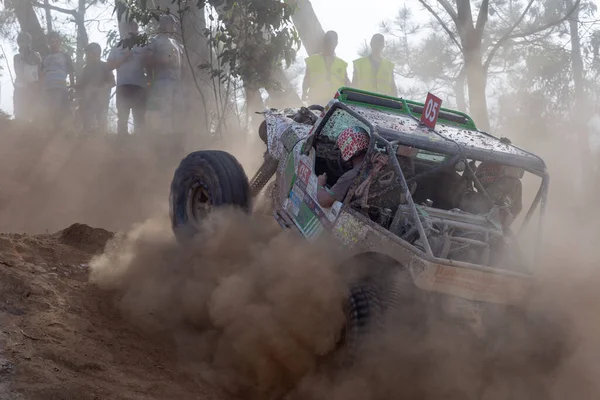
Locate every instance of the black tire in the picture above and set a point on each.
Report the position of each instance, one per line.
(213, 176)
(262, 132)
(381, 291)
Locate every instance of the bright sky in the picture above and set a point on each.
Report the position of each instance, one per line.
(354, 22)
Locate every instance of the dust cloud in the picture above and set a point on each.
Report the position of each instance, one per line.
(48, 181)
(255, 310)
(255, 305)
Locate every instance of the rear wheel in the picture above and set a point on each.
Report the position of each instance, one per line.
(204, 181)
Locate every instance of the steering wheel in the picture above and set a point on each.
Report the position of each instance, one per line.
(337, 165)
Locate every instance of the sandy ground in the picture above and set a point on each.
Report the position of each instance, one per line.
(61, 338)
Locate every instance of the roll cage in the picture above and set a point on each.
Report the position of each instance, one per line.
(389, 139)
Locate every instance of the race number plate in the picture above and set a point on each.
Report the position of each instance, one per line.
(431, 111)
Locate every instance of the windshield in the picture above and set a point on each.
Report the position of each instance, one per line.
(339, 120)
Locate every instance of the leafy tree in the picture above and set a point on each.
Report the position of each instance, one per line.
(474, 34)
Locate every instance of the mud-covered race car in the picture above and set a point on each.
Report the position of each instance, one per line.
(429, 214)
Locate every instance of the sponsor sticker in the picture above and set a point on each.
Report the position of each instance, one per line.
(304, 172)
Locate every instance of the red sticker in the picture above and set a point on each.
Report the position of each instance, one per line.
(303, 172)
(431, 111)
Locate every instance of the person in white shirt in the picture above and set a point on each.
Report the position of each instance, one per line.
(163, 60)
(28, 68)
(128, 59)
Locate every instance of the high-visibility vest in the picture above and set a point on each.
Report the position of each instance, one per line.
(323, 81)
(371, 81)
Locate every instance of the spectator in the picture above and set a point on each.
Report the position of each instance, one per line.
(95, 84)
(56, 67)
(374, 73)
(28, 67)
(128, 60)
(325, 73)
(164, 62)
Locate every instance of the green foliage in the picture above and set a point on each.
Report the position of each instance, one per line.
(250, 37)
(9, 27)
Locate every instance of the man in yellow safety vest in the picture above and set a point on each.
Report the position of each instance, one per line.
(325, 73)
(374, 73)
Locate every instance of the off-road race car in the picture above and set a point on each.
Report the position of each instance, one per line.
(429, 215)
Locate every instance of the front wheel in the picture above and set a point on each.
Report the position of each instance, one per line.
(204, 181)
(381, 292)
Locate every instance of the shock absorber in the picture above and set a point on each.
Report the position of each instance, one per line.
(263, 175)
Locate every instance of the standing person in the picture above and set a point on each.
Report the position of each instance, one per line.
(128, 60)
(95, 84)
(28, 68)
(164, 61)
(374, 73)
(325, 73)
(56, 67)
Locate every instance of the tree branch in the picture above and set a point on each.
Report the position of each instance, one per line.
(444, 26)
(510, 35)
(55, 8)
(465, 22)
(482, 18)
(91, 4)
(449, 10)
(549, 24)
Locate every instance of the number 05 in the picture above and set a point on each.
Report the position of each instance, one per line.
(431, 110)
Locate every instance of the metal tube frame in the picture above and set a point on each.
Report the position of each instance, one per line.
(541, 197)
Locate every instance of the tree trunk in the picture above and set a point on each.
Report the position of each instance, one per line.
(476, 82)
(461, 101)
(82, 36)
(577, 61)
(308, 26)
(579, 113)
(48, 15)
(28, 21)
(471, 36)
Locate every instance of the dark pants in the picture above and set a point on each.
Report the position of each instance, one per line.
(94, 109)
(131, 98)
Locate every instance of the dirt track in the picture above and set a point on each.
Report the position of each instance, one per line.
(62, 338)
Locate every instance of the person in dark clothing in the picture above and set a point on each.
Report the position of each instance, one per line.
(131, 80)
(94, 86)
(353, 143)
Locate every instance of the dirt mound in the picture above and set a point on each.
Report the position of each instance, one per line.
(86, 238)
(62, 338)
